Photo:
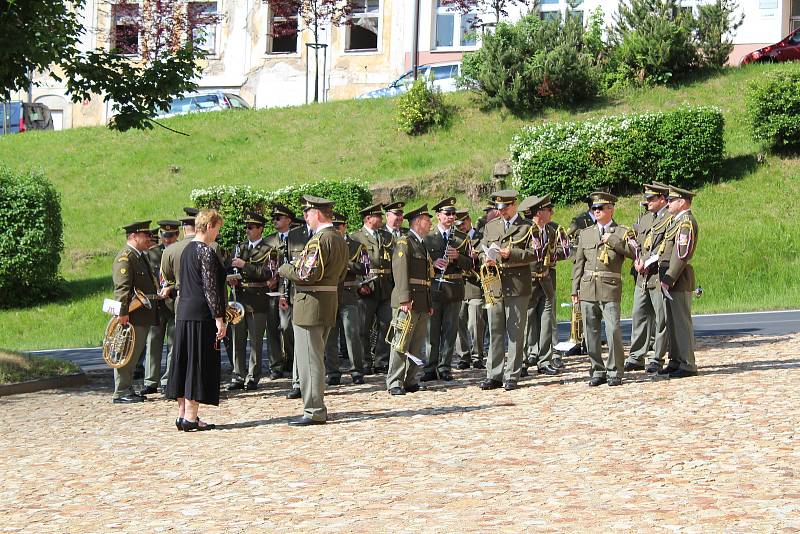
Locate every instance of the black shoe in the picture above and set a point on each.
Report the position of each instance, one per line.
(128, 399)
(333, 381)
(294, 394)
(557, 363)
(252, 385)
(179, 423)
(357, 379)
(597, 380)
(615, 381)
(233, 386)
(682, 373)
(479, 365)
(275, 375)
(381, 370)
(447, 376)
(652, 367)
(148, 390)
(428, 377)
(523, 372)
(462, 365)
(509, 385)
(413, 388)
(369, 370)
(547, 370)
(396, 391)
(490, 384)
(195, 426)
(140, 396)
(668, 369)
(631, 366)
(305, 421)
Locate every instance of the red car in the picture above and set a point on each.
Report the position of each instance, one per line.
(786, 50)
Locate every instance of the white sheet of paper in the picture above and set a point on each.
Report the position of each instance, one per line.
(111, 306)
(666, 293)
(651, 260)
(414, 359)
(275, 294)
(565, 346)
(492, 252)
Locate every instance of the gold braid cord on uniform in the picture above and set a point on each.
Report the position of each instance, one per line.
(308, 260)
(648, 240)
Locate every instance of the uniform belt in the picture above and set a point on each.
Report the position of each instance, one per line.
(514, 265)
(314, 289)
(541, 275)
(380, 271)
(419, 282)
(455, 276)
(602, 274)
(354, 283)
(254, 284)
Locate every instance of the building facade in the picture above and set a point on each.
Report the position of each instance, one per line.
(249, 56)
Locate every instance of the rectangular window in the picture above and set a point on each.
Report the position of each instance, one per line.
(577, 14)
(550, 15)
(454, 29)
(362, 33)
(203, 20)
(282, 35)
(125, 36)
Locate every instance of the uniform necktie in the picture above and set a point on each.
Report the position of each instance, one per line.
(508, 225)
(602, 231)
(445, 236)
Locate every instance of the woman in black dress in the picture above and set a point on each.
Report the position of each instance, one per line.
(199, 325)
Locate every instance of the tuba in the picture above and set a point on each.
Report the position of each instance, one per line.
(397, 335)
(119, 339)
(490, 284)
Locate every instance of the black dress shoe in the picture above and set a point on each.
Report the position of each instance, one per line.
(682, 373)
(547, 370)
(252, 385)
(479, 365)
(509, 385)
(668, 369)
(631, 366)
(294, 394)
(615, 381)
(490, 384)
(597, 380)
(179, 423)
(381, 370)
(195, 426)
(357, 379)
(233, 386)
(275, 375)
(652, 367)
(305, 421)
(523, 372)
(128, 399)
(369, 370)
(396, 391)
(148, 390)
(462, 365)
(428, 377)
(557, 363)
(447, 376)
(413, 388)
(333, 381)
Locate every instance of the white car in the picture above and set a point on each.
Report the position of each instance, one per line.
(444, 78)
(206, 101)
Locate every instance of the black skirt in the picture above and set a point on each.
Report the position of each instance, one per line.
(195, 369)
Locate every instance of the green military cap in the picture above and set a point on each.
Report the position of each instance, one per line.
(462, 214)
(154, 232)
(655, 189)
(192, 212)
(297, 221)
(447, 205)
(169, 227)
(677, 192)
(394, 207)
(136, 227)
(413, 214)
(187, 221)
(527, 203)
(601, 198)
(308, 202)
(375, 209)
(339, 218)
(254, 218)
(504, 198)
(489, 206)
(533, 204)
(279, 209)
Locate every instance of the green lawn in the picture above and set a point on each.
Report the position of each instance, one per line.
(746, 255)
(16, 367)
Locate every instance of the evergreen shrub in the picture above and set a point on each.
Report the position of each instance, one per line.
(773, 108)
(421, 108)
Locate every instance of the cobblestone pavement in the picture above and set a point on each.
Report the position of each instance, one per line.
(719, 452)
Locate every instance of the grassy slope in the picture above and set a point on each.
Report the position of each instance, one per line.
(19, 367)
(746, 255)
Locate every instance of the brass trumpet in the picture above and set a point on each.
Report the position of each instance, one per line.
(397, 335)
(491, 284)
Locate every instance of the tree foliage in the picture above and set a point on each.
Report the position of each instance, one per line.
(715, 25)
(498, 8)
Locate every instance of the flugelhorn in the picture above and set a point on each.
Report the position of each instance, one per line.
(491, 284)
(397, 335)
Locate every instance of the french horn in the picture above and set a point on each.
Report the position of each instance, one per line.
(119, 339)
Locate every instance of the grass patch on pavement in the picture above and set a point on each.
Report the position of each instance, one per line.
(16, 367)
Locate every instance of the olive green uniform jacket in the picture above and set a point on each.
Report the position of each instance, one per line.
(132, 270)
(472, 282)
(676, 252)
(579, 222)
(515, 272)
(592, 279)
(348, 288)
(154, 255)
(252, 290)
(454, 273)
(412, 269)
(650, 233)
(379, 250)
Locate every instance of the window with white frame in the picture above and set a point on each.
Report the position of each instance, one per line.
(794, 15)
(362, 32)
(203, 18)
(453, 28)
(125, 28)
(283, 33)
(551, 9)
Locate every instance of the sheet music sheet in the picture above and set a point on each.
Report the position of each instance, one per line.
(492, 252)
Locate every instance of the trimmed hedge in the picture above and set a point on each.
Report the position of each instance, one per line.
(569, 160)
(31, 238)
(773, 108)
(233, 202)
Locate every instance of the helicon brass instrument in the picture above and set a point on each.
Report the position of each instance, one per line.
(397, 336)
(119, 339)
(491, 284)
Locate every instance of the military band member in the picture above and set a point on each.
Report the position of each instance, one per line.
(316, 274)
(548, 249)
(376, 296)
(131, 270)
(678, 280)
(394, 219)
(597, 286)
(471, 324)
(295, 243)
(279, 331)
(168, 231)
(648, 299)
(489, 213)
(412, 271)
(582, 220)
(348, 315)
(507, 317)
(448, 248)
(251, 262)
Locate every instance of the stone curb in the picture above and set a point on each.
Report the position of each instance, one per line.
(56, 382)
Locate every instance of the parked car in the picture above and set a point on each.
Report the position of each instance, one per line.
(787, 49)
(444, 78)
(204, 101)
(18, 117)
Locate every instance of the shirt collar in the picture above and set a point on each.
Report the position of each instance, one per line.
(511, 221)
(591, 215)
(681, 213)
(605, 226)
(321, 227)
(135, 250)
(369, 230)
(255, 243)
(660, 212)
(416, 235)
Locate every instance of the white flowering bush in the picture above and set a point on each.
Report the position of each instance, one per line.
(570, 160)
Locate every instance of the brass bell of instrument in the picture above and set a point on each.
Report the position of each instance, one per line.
(491, 284)
(397, 335)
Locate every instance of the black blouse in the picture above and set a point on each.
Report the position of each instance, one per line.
(202, 293)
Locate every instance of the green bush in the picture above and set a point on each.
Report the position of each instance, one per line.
(421, 108)
(773, 108)
(534, 63)
(714, 27)
(569, 160)
(31, 238)
(233, 202)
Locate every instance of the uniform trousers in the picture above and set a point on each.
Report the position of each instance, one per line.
(287, 337)
(155, 348)
(594, 312)
(402, 370)
(539, 336)
(442, 330)
(681, 331)
(471, 331)
(507, 318)
(279, 340)
(649, 314)
(253, 326)
(123, 377)
(379, 311)
(309, 357)
(350, 322)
